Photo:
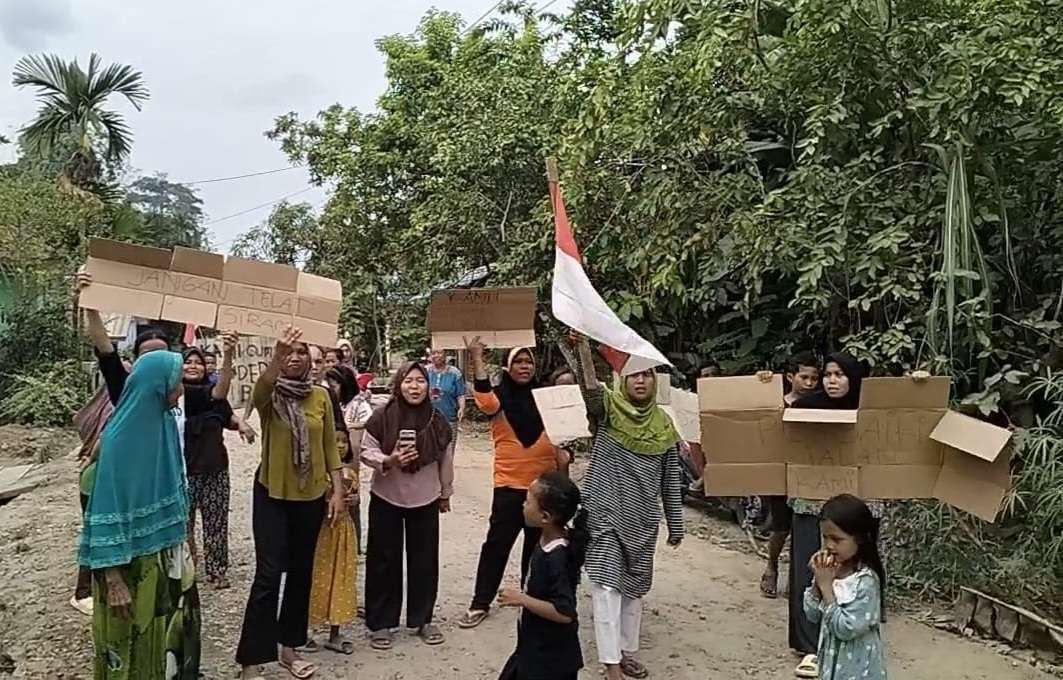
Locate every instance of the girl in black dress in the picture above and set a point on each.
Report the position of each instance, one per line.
(548, 645)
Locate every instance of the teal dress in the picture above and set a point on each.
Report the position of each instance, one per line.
(850, 637)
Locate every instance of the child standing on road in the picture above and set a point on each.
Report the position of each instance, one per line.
(548, 645)
(845, 597)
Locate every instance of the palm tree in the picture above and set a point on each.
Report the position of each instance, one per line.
(72, 110)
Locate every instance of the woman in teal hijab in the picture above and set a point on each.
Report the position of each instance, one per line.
(146, 606)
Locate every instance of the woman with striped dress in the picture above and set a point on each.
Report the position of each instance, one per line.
(634, 470)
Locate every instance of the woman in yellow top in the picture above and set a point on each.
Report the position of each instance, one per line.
(522, 453)
(299, 458)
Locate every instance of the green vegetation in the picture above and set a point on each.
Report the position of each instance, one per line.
(746, 179)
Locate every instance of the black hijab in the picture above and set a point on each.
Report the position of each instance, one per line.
(820, 399)
(199, 394)
(518, 404)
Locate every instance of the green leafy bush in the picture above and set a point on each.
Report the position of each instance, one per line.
(46, 397)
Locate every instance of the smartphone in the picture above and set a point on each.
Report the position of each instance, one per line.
(407, 438)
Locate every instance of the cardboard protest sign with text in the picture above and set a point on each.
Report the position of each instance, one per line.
(902, 442)
(250, 359)
(210, 290)
(563, 411)
(500, 317)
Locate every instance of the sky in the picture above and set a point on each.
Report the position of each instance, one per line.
(219, 73)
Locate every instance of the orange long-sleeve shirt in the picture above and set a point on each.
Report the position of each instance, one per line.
(516, 466)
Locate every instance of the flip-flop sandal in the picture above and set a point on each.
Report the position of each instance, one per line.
(300, 670)
(633, 669)
(808, 668)
(769, 585)
(312, 646)
(431, 634)
(381, 640)
(471, 619)
(341, 647)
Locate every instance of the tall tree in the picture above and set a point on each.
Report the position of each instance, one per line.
(288, 236)
(173, 213)
(73, 104)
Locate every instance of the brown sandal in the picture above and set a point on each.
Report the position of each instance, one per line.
(632, 668)
(769, 584)
(472, 618)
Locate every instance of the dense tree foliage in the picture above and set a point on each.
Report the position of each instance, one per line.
(746, 179)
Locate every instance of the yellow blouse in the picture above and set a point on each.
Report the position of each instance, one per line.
(277, 472)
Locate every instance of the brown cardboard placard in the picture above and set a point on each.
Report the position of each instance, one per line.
(261, 274)
(311, 285)
(747, 392)
(252, 321)
(316, 332)
(496, 315)
(932, 393)
(972, 484)
(735, 479)
(458, 339)
(821, 482)
(898, 481)
(129, 253)
(256, 297)
(318, 309)
(898, 437)
(106, 298)
(184, 310)
(905, 443)
(743, 437)
(198, 262)
(819, 415)
(970, 435)
(193, 286)
(148, 280)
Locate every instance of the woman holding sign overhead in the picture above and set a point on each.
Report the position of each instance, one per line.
(299, 460)
(634, 471)
(522, 453)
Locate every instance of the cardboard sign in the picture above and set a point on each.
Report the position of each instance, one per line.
(501, 317)
(563, 411)
(210, 290)
(250, 358)
(683, 409)
(902, 442)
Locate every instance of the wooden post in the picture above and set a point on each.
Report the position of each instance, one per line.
(551, 170)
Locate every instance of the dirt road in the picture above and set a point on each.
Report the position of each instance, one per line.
(704, 617)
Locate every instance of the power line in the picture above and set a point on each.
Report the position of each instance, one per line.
(542, 7)
(250, 174)
(483, 16)
(259, 207)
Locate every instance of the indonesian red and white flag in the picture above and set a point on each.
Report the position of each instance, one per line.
(579, 306)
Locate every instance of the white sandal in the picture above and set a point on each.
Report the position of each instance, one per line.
(808, 668)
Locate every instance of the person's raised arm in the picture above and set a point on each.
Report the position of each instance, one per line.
(225, 372)
(485, 397)
(262, 392)
(94, 328)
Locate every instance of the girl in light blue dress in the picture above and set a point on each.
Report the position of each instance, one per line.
(845, 597)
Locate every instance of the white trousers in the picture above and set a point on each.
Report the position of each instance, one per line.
(617, 624)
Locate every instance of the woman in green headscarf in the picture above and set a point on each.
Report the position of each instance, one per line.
(634, 470)
(146, 607)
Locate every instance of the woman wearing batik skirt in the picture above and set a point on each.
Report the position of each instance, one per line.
(146, 617)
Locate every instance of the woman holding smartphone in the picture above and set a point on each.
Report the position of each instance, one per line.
(406, 444)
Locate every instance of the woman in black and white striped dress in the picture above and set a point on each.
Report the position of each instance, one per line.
(634, 471)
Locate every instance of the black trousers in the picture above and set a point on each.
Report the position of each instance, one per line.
(285, 537)
(389, 528)
(507, 521)
(804, 542)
